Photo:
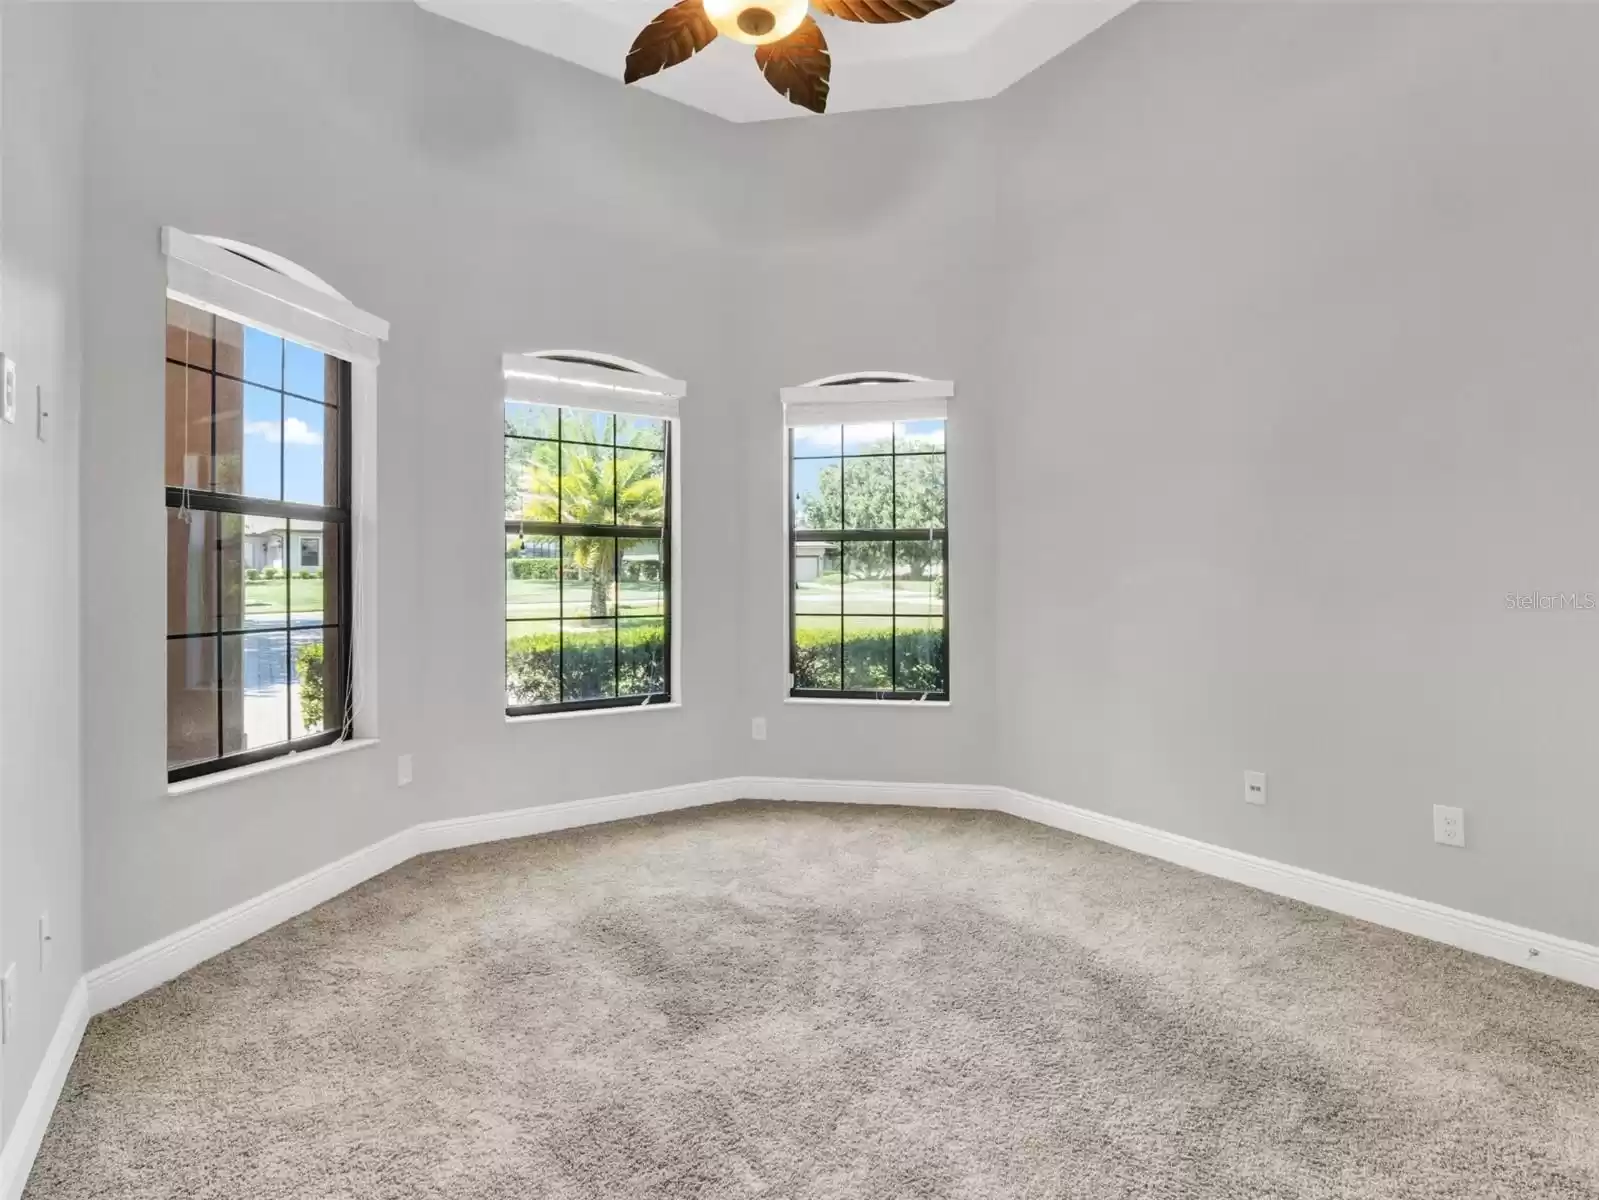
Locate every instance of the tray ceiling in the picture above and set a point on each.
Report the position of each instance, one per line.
(973, 49)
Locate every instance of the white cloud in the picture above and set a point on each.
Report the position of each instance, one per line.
(295, 431)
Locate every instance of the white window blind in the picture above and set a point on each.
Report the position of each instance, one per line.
(862, 403)
(540, 380)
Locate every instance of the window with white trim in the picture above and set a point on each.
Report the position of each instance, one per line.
(258, 496)
(589, 446)
(868, 538)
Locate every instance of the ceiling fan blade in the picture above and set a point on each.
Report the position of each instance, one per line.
(675, 36)
(879, 12)
(798, 66)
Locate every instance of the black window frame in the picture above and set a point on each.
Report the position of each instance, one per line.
(619, 533)
(843, 537)
(339, 514)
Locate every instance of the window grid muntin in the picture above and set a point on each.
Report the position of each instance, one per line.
(561, 530)
(211, 500)
(844, 536)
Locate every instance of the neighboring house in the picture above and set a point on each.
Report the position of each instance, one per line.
(812, 560)
(266, 549)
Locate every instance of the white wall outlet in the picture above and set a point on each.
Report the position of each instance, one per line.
(8, 405)
(1254, 787)
(42, 428)
(758, 728)
(404, 769)
(46, 942)
(1448, 825)
(8, 1004)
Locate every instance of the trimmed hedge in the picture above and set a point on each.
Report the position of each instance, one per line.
(636, 662)
(308, 663)
(866, 658)
(535, 568)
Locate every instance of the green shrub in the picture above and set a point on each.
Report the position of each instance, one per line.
(865, 660)
(252, 574)
(270, 573)
(535, 568)
(308, 663)
(535, 664)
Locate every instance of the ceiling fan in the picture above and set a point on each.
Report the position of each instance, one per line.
(789, 47)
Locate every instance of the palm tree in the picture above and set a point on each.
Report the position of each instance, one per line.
(594, 485)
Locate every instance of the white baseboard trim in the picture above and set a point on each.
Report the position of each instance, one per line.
(149, 966)
(842, 791)
(119, 981)
(27, 1132)
(1563, 958)
(524, 822)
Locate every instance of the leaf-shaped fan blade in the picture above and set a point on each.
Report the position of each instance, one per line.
(798, 66)
(879, 12)
(675, 36)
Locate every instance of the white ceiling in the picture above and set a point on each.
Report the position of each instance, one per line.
(972, 49)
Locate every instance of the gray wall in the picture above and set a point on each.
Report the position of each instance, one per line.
(1309, 297)
(1274, 335)
(482, 199)
(876, 255)
(41, 193)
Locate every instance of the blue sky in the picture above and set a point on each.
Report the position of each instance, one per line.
(285, 425)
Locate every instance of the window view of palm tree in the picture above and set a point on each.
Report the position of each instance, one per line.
(869, 543)
(586, 558)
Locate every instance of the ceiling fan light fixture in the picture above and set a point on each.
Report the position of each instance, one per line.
(756, 22)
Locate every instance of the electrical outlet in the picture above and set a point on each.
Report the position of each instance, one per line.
(758, 728)
(1254, 787)
(8, 396)
(46, 941)
(1448, 825)
(8, 1003)
(404, 769)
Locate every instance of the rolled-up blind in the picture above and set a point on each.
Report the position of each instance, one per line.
(205, 275)
(865, 402)
(541, 380)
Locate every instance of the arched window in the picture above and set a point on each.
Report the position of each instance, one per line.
(262, 359)
(868, 538)
(590, 441)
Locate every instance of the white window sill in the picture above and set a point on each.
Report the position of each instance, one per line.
(203, 783)
(530, 718)
(821, 700)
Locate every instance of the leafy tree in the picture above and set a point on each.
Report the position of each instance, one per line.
(579, 484)
(860, 493)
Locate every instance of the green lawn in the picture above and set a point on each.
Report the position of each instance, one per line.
(902, 595)
(271, 596)
(529, 599)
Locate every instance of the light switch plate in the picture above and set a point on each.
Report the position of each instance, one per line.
(42, 428)
(404, 769)
(8, 369)
(8, 1003)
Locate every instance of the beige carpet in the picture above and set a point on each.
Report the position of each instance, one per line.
(809, 1002)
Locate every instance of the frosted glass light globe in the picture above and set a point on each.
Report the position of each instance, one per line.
(756, 22)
